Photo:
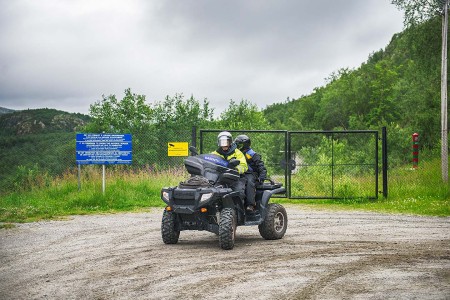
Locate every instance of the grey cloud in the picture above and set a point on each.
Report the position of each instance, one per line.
(260, 50)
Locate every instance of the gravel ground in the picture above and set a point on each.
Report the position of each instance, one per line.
(324, 255)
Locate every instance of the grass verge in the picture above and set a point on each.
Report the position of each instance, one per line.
(418, 192)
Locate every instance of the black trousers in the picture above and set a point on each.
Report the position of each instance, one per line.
(250, 189)
(239, 186)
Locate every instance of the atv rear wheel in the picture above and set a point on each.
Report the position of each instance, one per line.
(275, 223)
(227, 228)
(169, 228)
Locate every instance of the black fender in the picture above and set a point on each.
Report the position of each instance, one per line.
(228, 199)
(266, 197)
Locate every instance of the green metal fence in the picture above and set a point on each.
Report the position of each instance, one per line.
(310, 164)
(318, 164)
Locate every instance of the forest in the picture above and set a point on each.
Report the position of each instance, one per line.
(397, 87)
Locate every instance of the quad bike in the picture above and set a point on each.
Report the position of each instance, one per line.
(206, 202)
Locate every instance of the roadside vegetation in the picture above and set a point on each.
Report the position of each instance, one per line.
(410, 191)
(44, 198)
(418, 192)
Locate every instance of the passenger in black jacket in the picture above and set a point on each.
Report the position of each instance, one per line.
(256, 170)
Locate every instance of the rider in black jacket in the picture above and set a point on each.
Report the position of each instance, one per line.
(256, 169)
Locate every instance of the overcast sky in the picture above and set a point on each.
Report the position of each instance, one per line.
(66, 54)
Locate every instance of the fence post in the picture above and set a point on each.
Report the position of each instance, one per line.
(384, 161)
(194, 136)
(415, 138)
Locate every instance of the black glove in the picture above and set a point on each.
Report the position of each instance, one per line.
(261, 179)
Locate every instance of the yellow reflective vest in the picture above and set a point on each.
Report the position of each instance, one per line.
(237, 154)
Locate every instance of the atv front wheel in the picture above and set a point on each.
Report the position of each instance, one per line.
(227, 228)
(275, 223)
(169, 228)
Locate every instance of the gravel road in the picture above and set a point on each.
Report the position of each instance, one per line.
(324, 255)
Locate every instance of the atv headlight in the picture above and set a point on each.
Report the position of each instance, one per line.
(206, 197)
(165, 196)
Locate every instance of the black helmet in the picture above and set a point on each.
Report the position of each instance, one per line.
(224, 139)
(243, 142)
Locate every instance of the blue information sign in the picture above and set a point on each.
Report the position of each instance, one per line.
(103, 148)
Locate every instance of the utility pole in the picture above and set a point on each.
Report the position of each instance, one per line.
(444, 129)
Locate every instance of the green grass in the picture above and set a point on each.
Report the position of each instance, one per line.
(125, 191)
(7, 226)
(418, 192)
(411, 191)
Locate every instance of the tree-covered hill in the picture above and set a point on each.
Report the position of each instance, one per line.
(398, 87)
(35, 121)
(4, 110)
(35, 142)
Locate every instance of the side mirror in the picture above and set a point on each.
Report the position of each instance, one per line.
(193, 150)
(233, 163)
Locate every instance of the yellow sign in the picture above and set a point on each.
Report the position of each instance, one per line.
(177, 149)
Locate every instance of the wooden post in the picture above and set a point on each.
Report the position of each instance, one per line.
(444, 129)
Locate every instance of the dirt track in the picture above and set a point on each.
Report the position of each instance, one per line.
(324, 255)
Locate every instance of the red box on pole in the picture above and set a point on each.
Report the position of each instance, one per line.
(415, 152)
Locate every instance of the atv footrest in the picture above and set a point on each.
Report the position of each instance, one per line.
(252, 219)
(251, 223)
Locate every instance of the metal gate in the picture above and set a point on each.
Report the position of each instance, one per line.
(317, 164)
(333, 164)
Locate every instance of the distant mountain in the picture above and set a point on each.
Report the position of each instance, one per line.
(4, 110)
(45, 120)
